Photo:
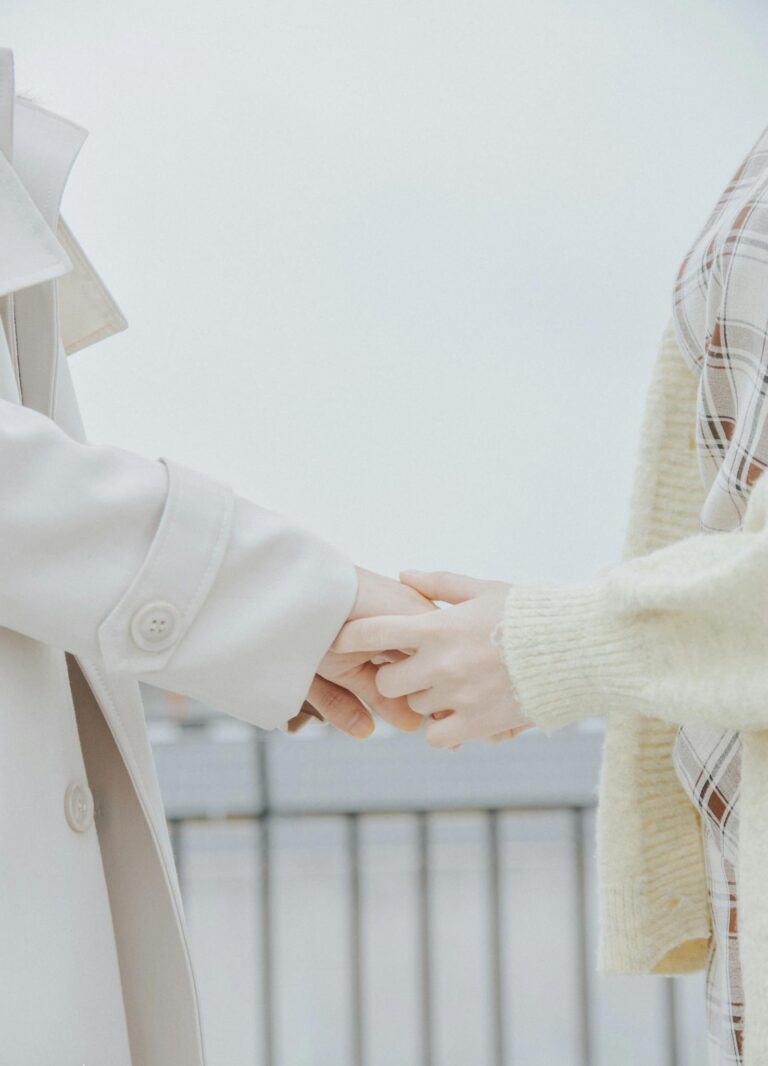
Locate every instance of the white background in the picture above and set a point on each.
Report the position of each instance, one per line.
(397, 269)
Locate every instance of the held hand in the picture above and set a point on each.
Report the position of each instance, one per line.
(329, 704)
(454, 672)
(345, 684)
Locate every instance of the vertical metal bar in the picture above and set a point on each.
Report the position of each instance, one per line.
(672, 1012)
(355, 942)
(425, 942)
(583, 972)
(267, 947)
(494, 933)
(265, 893)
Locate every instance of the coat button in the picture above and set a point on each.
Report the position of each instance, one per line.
(78, 806)
(154, 626)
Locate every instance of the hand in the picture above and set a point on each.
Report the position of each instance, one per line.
(455, 675)
(344, 684)
(329, 704)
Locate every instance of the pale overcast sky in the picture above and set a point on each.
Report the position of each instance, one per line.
(396, 268)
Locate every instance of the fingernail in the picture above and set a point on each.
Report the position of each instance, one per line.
(412, 573)
(361, 726)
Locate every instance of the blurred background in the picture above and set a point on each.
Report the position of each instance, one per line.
(397, 269)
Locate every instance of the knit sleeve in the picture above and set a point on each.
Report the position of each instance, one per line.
(680, 634)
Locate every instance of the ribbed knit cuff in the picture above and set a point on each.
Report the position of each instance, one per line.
(569, 654)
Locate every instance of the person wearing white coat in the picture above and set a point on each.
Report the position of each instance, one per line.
(116, 569)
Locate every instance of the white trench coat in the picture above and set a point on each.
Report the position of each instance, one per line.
(113, 569)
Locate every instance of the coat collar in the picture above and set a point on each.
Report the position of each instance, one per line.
(87, 310)
(32, 177)
(32, 181)
(30, 251)
(37, 151)
(45, 148)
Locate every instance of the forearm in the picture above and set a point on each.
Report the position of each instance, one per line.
(94, 536)
(280, 597)
(680, 634)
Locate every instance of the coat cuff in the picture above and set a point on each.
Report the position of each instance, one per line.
(148, 623)
(569, 654)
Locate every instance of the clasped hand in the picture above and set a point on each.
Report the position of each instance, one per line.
(406, 661)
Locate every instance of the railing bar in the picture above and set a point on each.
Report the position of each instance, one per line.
(267, 946)
(263, 783)
(584, 975)
(356, 942)
(495, 952)
(425, 942)
(672, 1038)
(278, 812)
(264, 818)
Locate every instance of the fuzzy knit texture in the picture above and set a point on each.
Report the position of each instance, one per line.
(675, 633)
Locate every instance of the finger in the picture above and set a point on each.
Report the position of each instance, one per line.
(396, 712)
(426, 703)
(443, 585)
(305, 715)
(388, 657)
(507, 734)
(447, 732)
(341, 709)
(300, 720)
(380, 633)
(388, 595)
(402, 678)
(497, 738)
(310, 711)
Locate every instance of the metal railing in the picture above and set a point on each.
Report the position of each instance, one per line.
(263, 783)
(496, 963)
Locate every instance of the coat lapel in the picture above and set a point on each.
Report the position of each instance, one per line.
(87, 311)
(37, 151)
(45, 147)
(29, 250)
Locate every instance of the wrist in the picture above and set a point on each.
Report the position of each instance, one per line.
(498, 642)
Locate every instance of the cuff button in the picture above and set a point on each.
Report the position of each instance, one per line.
(155, 625)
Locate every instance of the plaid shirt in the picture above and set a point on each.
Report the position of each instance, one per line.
(720, 317)
(707, 761)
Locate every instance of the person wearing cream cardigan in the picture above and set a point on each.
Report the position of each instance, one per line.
(670, 644)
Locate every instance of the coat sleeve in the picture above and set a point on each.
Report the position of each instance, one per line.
(155, 570)
(679, 634)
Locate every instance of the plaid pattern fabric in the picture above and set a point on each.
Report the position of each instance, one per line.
(708, 763)
(720, 318)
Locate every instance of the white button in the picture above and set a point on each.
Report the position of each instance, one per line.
(154, 627)
(78, 806)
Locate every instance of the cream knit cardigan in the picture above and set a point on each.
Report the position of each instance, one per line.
(675, 633)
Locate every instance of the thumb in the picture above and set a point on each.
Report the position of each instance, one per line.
(443, 585)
